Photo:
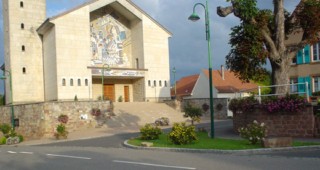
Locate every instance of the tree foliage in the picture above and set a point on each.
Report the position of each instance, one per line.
(262, 35)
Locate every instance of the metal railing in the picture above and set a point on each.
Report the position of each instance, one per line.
(293, 90)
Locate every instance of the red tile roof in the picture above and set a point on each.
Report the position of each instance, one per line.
(185, 85)
(230, 83)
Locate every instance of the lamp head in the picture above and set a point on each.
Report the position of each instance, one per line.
(194, 17)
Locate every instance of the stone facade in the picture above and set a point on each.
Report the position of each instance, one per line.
(220, 106)
(302, 124)
(41, 119)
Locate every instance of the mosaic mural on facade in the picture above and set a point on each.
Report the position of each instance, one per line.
(108, 40)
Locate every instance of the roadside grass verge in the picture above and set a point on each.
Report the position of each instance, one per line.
(205, 142)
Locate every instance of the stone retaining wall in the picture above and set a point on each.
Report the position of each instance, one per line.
(303, 124)
(41, 119)
(220, 106)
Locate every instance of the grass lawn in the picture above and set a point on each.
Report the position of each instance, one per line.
(205, 142)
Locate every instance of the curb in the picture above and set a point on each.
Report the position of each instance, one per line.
(219, 151)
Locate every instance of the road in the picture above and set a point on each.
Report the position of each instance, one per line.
(108, 153)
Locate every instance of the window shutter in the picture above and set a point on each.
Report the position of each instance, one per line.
(301, 88)
(307, 54)
(299, 57)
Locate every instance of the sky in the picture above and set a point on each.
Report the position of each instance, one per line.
(188, 45)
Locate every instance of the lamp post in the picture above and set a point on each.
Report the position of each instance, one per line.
(11, 96)
(195, 17)
(102, 78)
(175, 85)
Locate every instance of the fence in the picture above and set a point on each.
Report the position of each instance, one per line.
(294, 89)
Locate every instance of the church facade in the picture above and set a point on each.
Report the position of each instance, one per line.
(103, 49)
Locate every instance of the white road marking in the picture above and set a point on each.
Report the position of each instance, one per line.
(155, 165)
(11, 152)
(67, 156)
(26, 152)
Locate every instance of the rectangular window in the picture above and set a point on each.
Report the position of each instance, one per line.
(79, 82)
(316, 52)
(86, 82)
(149, 83)
(165, 83)
(316, 84)
(160, 83)
(71, 82)
(294, 86)
(154, 83)
(63, 82)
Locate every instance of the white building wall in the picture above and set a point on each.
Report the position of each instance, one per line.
(201, 88)
(27, 86)
(156, 59)
(50, 66)
(73, 54)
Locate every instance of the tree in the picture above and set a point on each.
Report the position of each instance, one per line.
(193, 112)
(275, 35)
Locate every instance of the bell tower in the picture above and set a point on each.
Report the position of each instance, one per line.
(23, 50)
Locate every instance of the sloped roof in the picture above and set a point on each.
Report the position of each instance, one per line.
(230, 83)
(93, 1)
(185, 85)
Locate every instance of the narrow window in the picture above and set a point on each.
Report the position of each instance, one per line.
(63, 82)
(149, 83)
(165, 83)
(294, 86)
(316, 84)
(160, 83)
(154, 83)
(79, 82)
(137, 63)
(23, 70)
(21, 4)
(22, 26)
(23, 48)
(86, 82)
(316, 52)
(71, 82)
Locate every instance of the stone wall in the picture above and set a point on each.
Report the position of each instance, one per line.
(41, 119)
(220, 106)
(302, 124)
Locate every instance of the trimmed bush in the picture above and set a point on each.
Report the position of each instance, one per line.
(182, 134)
(150, 132)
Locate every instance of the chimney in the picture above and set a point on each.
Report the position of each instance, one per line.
(222, 72)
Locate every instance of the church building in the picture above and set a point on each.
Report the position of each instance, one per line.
(103, 49)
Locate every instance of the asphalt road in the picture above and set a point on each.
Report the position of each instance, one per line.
(108, 153)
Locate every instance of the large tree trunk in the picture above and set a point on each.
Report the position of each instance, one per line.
(280, 76)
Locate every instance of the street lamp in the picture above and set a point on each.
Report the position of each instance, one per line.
(195, 17)
(11, 96)
(175, 85)
(102, 78)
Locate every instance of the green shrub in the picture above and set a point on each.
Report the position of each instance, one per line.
(150, 132)
(61, 131)
(21, 138)
(193, 112)
(5, 128)
(3, 140)
(120, 99)
(242, 104)
(182, 134)
(254, 132)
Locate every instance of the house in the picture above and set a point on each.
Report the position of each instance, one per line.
(225, 85)
(305, 67)
(100, 49)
